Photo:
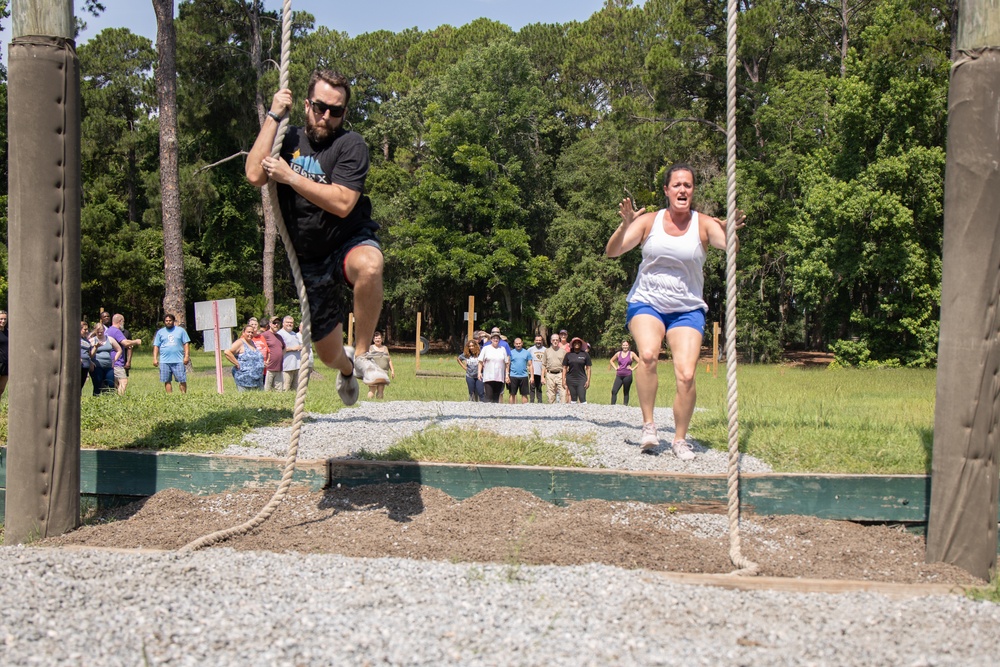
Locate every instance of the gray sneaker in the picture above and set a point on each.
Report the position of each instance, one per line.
(682, 450)
(649, 440)
(368, 371)
(347, 385)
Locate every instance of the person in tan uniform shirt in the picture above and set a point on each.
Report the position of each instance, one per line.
(552, 369)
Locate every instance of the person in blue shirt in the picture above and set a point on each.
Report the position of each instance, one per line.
(172, 353)
(520, 371)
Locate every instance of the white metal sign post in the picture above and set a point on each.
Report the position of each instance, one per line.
(214, 316)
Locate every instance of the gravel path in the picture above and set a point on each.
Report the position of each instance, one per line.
(224, 608)
(599, 436)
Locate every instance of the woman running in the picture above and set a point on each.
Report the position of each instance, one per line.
(666, 298)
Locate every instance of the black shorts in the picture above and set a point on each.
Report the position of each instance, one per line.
(521, 383)
(326, 282)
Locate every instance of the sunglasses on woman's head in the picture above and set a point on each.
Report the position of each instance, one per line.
(320, 108)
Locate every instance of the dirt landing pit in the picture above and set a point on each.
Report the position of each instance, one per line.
(503, 525)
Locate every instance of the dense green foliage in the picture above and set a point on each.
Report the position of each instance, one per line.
(499, 157)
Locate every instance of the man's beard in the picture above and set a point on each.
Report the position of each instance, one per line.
(318, 133)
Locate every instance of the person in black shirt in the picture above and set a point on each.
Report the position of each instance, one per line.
(320, 177)
(576, 371)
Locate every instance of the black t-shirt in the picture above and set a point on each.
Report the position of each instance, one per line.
(576, 364)
(316, 233)
(3, 346)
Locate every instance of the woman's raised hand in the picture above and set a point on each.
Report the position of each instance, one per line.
(626, 209)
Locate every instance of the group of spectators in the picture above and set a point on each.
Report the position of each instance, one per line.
(262, 359)
(564, 368)
(267, 358)
(106, 349)
(270, 358)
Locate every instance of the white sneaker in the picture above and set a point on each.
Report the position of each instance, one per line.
(682, 450)
(649, 440)
(347, 385)
(368, 371)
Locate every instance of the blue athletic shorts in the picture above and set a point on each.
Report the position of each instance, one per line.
(177, 370)
(694, 319)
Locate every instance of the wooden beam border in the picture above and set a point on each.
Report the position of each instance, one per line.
(869, 498)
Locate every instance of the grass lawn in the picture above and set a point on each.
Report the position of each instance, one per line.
(798, 420)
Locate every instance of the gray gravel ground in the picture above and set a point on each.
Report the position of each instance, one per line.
(599, 436)
(222, 608)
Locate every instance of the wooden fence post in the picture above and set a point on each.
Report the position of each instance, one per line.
(419, 314)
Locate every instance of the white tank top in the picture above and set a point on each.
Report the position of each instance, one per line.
(671, 276)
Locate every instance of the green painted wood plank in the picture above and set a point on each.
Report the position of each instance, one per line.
(902, 498)
(105, 472)
(130, 473)
(557, 485)
(888, 498)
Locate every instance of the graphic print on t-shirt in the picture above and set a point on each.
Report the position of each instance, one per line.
(308, 166)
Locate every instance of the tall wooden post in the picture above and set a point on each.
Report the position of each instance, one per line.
(418, 340)
(472, 317)
(962, 527)
(43, 449)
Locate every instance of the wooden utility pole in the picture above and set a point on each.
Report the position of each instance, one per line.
(472, 316)
(962, 527)
(43, 440)
(419, 322)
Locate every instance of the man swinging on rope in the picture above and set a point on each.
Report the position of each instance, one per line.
(320, 180)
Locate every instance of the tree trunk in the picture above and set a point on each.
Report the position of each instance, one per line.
(508, 301)
(845, 17)
(166, 93)
(270, 238)
(133, 190)
(270, 224)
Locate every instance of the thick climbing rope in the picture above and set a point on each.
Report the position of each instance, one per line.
(306, 366)
(744, 566)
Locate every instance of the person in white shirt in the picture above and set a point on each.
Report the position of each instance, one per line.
(537, 353)
(291, 360)
(494, 369)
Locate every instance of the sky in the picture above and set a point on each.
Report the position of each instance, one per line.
(359, 17)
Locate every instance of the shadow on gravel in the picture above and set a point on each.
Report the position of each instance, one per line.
(100, 509)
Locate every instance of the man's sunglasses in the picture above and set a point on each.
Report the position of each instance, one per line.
(320, 108)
